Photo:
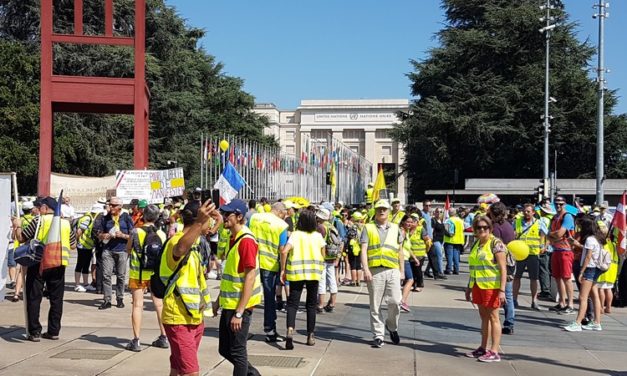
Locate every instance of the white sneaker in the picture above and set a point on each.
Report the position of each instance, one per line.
(79, 288)
(90, 288)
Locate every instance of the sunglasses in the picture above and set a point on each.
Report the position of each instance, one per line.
(559, 203)
(115, 205)
(478, 228)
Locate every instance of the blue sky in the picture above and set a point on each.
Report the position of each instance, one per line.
(288, 50)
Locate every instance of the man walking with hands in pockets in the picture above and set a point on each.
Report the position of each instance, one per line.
(383, 265)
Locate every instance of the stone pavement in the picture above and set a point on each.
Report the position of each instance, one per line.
(434, 337)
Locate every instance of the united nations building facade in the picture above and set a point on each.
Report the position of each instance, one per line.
(361, 125)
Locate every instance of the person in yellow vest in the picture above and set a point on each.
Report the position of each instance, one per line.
(420, 242)
(240, 289)
(453, 241)
(53, 278)
(545, 213)
(15, 271)
(139, 277)
(270, 230)
(384, 266)
(186, 292)
(533, 232)
(302, 263)
(607, 280)
(397, 214)
(223, 246)
(85, 248)
(486, 286)
(354, 248)
(332, 256)
(407, 225)
(369, 192)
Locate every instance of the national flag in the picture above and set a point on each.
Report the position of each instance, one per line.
(229, 183)
(619, 223)
(53, 247)
(333, 181)
(380, 189)
(447, 206)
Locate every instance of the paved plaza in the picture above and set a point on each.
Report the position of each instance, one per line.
(434, 337)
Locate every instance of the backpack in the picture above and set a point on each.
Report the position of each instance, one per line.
(604, 260)
(149, 254)
(333, 242)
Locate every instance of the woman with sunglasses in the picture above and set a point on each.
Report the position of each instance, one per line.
(488, 276)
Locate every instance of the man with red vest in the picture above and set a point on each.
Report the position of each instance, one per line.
(562, 227)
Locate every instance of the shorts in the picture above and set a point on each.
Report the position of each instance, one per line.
(531, 264)
(184, 343)
(354, 261)
(562, 264)
(214, 249)
(592, 274)
(11, 258)
(327, 276)
(408, 273)
(488, 298)
(134, 284)
(605, 285)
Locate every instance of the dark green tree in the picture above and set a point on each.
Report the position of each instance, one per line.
(189, 93)
(480, 95)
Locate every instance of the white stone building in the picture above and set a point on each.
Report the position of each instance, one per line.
(363, 125)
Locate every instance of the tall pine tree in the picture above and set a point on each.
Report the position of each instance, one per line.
(481, 94)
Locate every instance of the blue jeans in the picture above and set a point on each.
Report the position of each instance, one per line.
(452, 256)
(437, 248)
(269, 281)
(510, 311)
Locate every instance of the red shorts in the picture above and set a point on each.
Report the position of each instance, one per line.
(184, 342)
(562, 264)
(488, 298)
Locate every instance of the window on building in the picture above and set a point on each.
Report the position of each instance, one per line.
(289, 149)
(289, 119)
(289, 136)
(386, 151)
(353, 134)
(320, 134)
(355, 148)
(382, 133)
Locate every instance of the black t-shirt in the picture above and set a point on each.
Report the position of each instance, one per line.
(438, 230)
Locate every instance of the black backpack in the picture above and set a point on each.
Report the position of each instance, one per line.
(149, 254)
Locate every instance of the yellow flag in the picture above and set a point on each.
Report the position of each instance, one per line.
(333, 181)
(379, 189)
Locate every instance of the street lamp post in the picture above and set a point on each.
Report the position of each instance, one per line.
(547, 99)
(601, 15)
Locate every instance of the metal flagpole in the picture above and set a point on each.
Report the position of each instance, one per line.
(202, 159)
(602, 15)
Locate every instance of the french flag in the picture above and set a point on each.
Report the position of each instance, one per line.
(52, 256)
(619, 223)
(229, 183)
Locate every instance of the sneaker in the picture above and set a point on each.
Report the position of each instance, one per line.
(441, 276)
(273, 337)
(311, 339)
(405, 307)
(546, 296)
(479, 351)
(507, 330)
(161, 342)
(90, 288)
(585, 321)
(329, 308)
(105, 305)
(79, 288)
(319, 309)
(34, 337)
(120, 303)
(134, 345)
(377, 343)
(573, 327)
(557, 308)
(456, 272)
(567, 311)
(47, 335)
(592, 326)
(10, 285)
(396, 339)
(535, 306)
(289, 339)
(489, 357)
(428, 275)
(447, 272)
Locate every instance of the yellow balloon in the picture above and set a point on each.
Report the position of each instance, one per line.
(224, 145)
(519, 249)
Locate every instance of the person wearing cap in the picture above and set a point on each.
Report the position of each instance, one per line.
(240, 289)
(15, 271)
(53, 278)
(84, 248)
(328, 277)
(270, 230)
(114, 231)
(186, 294)
(397, 214)
(137, 212)
(560, 235)
(355, 228)
(290, 217)
(604, 215)
(419, 242)
(453, 241)
(383, 264)
(545, 213)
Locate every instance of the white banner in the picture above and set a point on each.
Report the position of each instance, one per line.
(5, 228)
(83, 191)
(151, 185)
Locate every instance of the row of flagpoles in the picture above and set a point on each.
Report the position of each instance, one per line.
(269, 172)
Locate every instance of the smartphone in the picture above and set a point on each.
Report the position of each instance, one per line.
(206, 195)
(215, 197)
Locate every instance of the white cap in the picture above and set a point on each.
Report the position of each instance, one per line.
(97, 208)
(28, 205)
(323, 214)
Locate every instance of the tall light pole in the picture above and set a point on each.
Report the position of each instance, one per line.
(547, 99)
(602, 7)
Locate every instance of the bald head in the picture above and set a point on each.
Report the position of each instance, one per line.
(279, 209)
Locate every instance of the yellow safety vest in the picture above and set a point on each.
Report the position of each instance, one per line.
(26, 220)
(369, 193)
(223, 241)
(407, 248)
(484, 271)
(188, 287)
(531, 237)
(305, 261)
(458, 236)
(66, 230)
(232, 282)
(267, 229)
(396, 218)
(610, 275)
(260, 209)
(134, 266)
(86, 240)
(386, 254)
(418, 245)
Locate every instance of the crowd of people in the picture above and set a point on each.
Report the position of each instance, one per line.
(271, 251)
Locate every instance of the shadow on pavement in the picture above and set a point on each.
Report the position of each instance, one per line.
(95, 302)
(120, 343)
(447, 325)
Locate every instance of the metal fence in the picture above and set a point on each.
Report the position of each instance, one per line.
(274, 174)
